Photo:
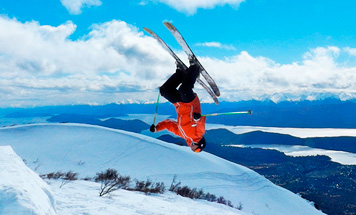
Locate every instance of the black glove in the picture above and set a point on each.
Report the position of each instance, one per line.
(179, 67)
(192, 60)
(153, 128)
(196, 116)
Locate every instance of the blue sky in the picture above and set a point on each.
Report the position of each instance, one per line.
(95, 51)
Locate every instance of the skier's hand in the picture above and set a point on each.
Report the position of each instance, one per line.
(153, 128)
(196, 116)
(179, 67)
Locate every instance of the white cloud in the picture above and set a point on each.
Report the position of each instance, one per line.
(75, 6)
(39, 65)
(143, 3)
(316, 76)
(217, 45)
(350, 51)
(190, 6)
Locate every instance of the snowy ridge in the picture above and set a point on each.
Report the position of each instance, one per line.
(21, 190)
(296, 132)
(24, 196)
(89, 149)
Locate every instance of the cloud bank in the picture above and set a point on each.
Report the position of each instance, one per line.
(217, 45)
(39, 64)
(75, 6)
(191, 6)
(322, 72)
(116, 62)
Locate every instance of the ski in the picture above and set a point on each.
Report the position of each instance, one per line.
(178, 36)
(181, 63)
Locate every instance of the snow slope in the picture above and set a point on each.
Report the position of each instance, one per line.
(81, 198)
(89, 149)
(22, 191)
(296, 132)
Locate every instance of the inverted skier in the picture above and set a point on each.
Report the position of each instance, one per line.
(190, 125)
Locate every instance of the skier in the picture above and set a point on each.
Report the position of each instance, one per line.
(190, 125)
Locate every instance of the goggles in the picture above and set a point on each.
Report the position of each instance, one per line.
(195, 147)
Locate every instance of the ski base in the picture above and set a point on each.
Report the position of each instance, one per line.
(180, 63)
(178, 36)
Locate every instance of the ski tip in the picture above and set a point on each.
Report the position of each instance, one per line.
(147, 30)
(169, 25)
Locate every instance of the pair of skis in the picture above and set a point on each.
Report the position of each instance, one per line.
(213, 90)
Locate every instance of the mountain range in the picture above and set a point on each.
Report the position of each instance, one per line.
(329, 113)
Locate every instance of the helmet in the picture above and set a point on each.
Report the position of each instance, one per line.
(200, 145)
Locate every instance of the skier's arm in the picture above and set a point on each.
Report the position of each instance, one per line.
(200, 128)
(168, 124)
(202, 120)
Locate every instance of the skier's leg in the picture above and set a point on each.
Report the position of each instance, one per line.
(186, 89)
(169, 89)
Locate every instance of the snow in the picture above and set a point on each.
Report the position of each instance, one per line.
(90, 149)
(296, 132)
(81, 197)
(22, 191)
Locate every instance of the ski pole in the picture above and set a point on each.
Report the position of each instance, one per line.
(249, 112)
(154, 119)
